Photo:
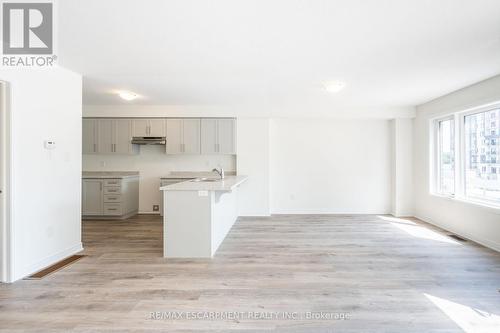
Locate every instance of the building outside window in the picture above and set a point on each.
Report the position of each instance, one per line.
(481, 179)
(471, 170)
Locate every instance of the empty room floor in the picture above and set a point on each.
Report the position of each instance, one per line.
(310, 273)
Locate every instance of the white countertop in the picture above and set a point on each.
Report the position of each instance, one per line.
(225, 185)
(109, 174)
(193, 174)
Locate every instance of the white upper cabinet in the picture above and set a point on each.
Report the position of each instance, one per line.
(183, 136)
(148, 127)
(108, 136)
(209, 136)
(157, 127)
(226, 135)
(140, 127)
(191, 136)
(218, 136)
(105, 136)
(174, 136)
(122, 137)
(89, 139)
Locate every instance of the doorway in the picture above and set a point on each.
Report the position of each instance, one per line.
(5, 162)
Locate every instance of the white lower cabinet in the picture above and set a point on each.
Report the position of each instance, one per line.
(110, 198)
(92, 197)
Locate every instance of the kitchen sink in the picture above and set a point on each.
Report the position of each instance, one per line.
(205, 180)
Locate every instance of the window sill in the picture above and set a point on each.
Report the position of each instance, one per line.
(495, 209)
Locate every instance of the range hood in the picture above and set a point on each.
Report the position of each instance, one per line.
(149, 140)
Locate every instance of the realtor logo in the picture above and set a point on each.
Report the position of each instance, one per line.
(28, 34)
(27, 28)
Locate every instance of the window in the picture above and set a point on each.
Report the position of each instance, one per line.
(466, 163)
(480, 180)
(446, 157)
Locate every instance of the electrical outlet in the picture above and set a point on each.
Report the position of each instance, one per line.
(156, 208)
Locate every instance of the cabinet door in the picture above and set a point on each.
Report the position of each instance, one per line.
(105, 136)
(191, 136)
(174, 136)
(140, 127)
(156, 127)
(209, 136)
(92, 200)
(226, 135)
(122, 136)
(89, 136)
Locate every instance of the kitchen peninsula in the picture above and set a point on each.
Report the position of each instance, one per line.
(198, 214)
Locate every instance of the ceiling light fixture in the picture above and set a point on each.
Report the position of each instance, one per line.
(127, 95)
(334, 86)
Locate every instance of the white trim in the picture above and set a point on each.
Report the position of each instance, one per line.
(478, 204)
(6, 231)
(47, 261)
(320, 212)
(484, 242)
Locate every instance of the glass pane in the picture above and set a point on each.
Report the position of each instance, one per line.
(482, 144)
(447, 156)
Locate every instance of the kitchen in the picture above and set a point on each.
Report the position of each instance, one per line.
(127, 160)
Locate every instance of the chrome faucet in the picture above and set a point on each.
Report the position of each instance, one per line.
(219, 172)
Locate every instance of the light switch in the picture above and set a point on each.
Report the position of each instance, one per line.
(49, 144)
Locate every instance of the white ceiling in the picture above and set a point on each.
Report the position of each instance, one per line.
(390, 53)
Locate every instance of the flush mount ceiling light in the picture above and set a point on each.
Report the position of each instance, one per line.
(127, 95)
(334, 86)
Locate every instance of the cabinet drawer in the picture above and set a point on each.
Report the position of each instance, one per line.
(112, 182)
(112, 209)
(112, 198)
(112, 190)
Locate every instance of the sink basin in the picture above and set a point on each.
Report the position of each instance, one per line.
(205, 180)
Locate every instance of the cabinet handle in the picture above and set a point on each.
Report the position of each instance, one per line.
(100, 186)
(95, 148)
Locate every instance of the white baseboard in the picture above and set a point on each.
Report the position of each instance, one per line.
(50, 260)
(149, 213)
(484, 242)
(314, 212)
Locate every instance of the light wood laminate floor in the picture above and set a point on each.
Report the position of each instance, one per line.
(385, 274)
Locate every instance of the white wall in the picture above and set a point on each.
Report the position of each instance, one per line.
(45, 105)
(153, 163)
(402, 167)
(330, 166)
(475, 222)
(253, 160)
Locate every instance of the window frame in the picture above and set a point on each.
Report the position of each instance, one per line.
(437, 157)
(460, 157)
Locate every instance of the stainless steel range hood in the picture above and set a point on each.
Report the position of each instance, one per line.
(149, 140)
